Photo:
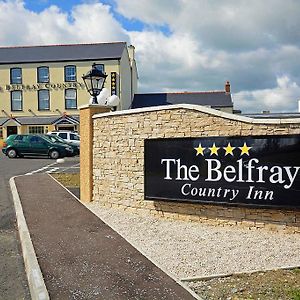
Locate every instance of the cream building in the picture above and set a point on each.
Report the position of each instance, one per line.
(41, 87)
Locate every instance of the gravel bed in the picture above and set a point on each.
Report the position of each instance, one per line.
(190, 249)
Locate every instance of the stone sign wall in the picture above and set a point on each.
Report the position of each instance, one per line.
(118, 162)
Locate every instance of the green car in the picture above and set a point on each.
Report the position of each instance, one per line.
(57, 139)
(34, 144)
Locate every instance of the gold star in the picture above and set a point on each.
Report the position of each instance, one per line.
(229, 149)
(199, 150)
(245, 149)
(214, 149)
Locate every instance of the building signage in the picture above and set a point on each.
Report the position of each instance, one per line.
(39, 86)
(114, 86)
(254, 170)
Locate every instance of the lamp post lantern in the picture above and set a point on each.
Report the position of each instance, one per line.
(94, 81)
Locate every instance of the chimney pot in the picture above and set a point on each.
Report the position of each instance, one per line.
(131, 52)
(227, 87)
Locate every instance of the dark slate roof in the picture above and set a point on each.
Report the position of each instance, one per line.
(37, 120)
(2, 121)
(214, 99)
(286, 115)
(75, 117)
(66, 119)
(54, 53)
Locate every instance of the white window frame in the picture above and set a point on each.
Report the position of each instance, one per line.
(40, 78)
(16, 100)
(70, 99)
(43, 100)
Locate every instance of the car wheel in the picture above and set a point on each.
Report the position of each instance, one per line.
(12, 153)
(54, 154)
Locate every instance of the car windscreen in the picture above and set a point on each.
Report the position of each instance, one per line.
(56, 139)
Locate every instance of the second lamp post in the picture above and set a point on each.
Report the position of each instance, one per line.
(94, 81)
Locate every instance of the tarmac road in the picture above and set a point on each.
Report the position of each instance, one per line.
(13, 281)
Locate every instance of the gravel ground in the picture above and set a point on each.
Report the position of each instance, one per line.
(190, 249)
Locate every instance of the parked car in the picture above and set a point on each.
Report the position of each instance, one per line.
(57, 139)
(69, 136)
(34, 144)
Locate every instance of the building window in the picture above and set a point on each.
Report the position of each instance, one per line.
(100, 67)
(43, 74)
(36, 129)
(44, 100)
(16, 101)
(70, 73)
(71, 99)
(15, 75)
(1, 133)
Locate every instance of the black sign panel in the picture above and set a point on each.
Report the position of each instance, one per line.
(114, 83)
(255, 171)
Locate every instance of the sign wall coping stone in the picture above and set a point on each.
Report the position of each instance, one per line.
(91, 105)
(199, 108)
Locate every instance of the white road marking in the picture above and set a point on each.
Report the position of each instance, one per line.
(52, 170)
(48, 169)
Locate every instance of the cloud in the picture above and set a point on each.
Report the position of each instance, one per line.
(173, 63)
(158, 12)
(85, 23)
(279, 99)
(231, 24)
(253, 44)
(177, 62)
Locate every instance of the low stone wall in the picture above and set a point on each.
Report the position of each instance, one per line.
(118, 161)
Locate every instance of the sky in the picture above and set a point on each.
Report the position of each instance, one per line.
(181, 45)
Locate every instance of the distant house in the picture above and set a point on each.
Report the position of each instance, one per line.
(220, 100)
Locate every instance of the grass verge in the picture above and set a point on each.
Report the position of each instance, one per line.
(268, 285)
(67, 180)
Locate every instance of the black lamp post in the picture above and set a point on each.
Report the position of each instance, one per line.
(94, 81)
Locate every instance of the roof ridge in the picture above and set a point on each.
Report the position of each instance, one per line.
(201, 92)
(184, 93)
(60, 45)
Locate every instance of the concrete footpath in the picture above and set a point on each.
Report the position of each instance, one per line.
(79, 256)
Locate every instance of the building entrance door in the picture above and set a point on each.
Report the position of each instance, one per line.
(12, 130)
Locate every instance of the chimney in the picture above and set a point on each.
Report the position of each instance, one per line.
(299, 106)
(131, 52)
(227, 87)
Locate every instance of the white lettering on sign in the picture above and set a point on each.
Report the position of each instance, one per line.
(183, 172)
(275, 174)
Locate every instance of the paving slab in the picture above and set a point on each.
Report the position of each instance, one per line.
(80, 256)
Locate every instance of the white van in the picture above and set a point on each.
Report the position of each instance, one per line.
(69, 136)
